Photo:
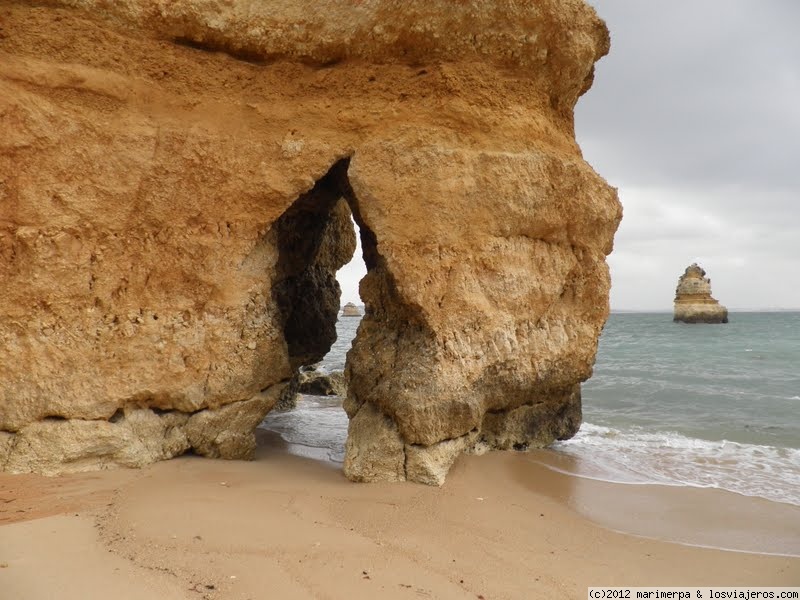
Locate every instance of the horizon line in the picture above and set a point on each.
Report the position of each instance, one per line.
(730, 309)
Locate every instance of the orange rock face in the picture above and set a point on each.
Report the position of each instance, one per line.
(176, 186)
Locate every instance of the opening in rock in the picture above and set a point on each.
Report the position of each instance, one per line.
(316, 238)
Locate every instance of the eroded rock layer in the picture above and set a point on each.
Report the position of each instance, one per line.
(693, 300)
(176, 186)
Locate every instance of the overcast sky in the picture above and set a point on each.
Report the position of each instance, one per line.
(695, 117)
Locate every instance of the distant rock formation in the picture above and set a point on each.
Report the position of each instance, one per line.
(178, 183)
(350, 310)
(693, 301)
(308, 381)
(322, 384)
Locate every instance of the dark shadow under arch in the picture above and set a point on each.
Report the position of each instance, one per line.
(315, 238)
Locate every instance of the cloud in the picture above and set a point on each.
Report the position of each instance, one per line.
(694, 117)
(349, 275)
(692, 90)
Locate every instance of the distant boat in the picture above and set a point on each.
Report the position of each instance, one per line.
(350, 310)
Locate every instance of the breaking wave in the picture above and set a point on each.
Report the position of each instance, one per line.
(639, 456)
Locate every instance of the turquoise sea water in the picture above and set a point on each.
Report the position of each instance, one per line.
(700, 405)
(697, 405)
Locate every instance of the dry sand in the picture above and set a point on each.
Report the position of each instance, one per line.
(284, 526)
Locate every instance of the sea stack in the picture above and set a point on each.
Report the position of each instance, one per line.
(350, 310)
(693, 300)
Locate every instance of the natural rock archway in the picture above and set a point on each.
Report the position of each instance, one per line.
(176, 187)
(314, 238)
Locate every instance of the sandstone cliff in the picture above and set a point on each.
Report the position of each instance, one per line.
(693, 301)
(176, 185)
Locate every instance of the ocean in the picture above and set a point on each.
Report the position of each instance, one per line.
(714, 406)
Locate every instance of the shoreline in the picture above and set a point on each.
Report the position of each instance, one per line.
(694, 504)
(504, 525)
(772, 527)
(693, 516)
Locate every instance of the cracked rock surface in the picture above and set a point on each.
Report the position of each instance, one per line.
(177, 182)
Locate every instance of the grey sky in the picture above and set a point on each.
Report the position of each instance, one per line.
(695, 117)
(351, 274)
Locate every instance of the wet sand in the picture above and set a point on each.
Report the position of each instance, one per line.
(503, 526)
(695, 516)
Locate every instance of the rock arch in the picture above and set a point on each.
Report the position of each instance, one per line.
(314, 238)
(169, 210)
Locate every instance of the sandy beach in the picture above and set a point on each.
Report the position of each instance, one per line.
(503, 526)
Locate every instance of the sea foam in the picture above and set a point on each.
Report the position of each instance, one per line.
(638, 456)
